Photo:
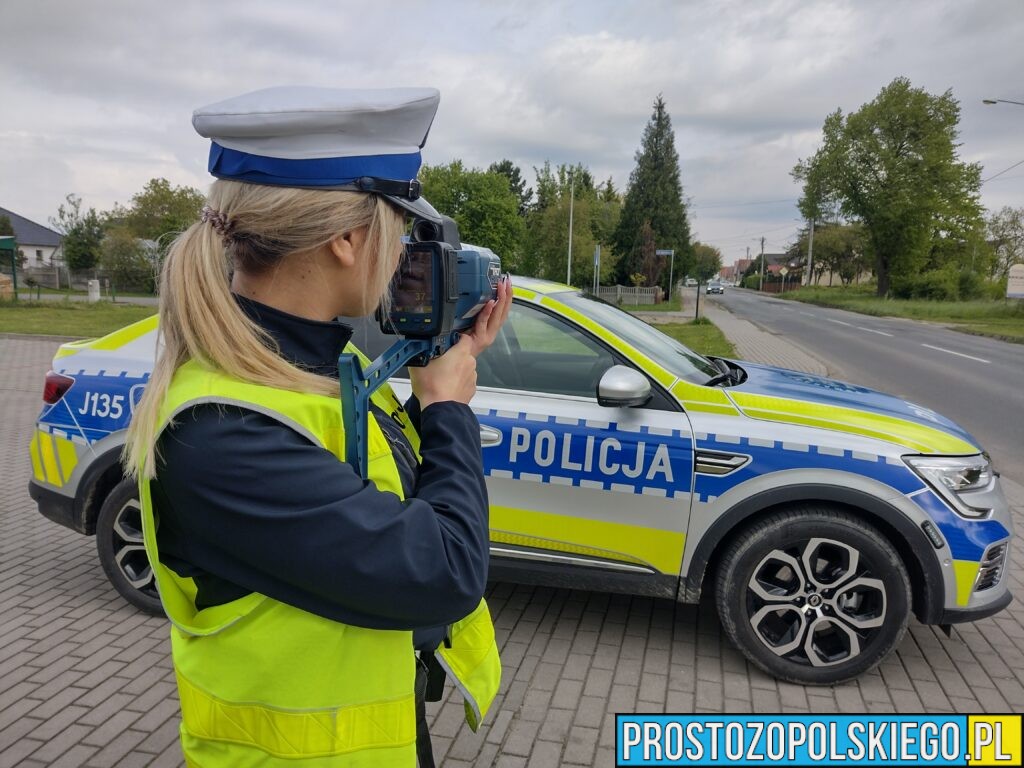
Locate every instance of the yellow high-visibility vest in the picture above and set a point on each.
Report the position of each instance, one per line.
(266, 684)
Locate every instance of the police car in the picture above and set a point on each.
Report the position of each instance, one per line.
(818, 515)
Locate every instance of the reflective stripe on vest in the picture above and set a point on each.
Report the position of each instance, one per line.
(309, 733)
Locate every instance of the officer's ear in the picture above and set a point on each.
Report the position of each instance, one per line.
(347, 246)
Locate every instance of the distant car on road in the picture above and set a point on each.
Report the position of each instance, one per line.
(691, 282)
(715, 286)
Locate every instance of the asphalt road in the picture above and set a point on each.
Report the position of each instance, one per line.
(976, 381)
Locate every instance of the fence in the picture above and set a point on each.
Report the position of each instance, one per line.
(622, 294)
(59, 277)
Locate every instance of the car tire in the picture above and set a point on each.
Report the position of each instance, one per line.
(121, 551)
(813, 595)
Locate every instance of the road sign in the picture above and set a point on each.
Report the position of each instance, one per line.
(1015, 284)
(784, 271)
(664, 252)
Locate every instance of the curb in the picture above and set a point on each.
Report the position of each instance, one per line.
(41, 337)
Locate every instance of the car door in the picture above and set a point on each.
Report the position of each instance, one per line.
(572, 482)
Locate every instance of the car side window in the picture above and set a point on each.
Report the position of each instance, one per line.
(536, 352)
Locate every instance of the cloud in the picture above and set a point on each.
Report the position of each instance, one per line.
(98, 97)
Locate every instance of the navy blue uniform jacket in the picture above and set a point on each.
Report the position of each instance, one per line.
(246, 504)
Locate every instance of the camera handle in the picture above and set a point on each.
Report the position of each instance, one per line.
(358, 385)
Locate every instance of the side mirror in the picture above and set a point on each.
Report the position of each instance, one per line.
(623, 387)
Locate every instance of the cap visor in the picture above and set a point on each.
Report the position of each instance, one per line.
(418, 208)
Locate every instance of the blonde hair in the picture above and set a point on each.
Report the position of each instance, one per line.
(199, 318)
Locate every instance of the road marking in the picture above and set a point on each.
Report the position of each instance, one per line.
(958, 354)
(872, 330)
(840, 322)
(809, 314)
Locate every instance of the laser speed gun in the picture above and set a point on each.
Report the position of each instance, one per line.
(438, 291)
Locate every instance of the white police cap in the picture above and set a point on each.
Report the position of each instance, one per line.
(326, 138)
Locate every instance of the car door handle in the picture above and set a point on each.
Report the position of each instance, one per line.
(489, 436)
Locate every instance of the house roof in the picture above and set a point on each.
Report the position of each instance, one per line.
(27, 232)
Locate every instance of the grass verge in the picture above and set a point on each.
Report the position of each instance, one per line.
(702, 336)
(665, 306)
(995, 318)
(68, 318)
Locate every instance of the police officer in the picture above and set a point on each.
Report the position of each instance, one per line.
(298, 591)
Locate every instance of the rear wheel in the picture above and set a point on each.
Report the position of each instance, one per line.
(121, 550)
(813, 595)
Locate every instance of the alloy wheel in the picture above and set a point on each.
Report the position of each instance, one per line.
(815, 603)
(129, 549)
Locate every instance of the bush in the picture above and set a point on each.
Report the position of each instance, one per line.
(996, 290)
(972, 286)
(751, 281)
(938, 285)
(124, 260)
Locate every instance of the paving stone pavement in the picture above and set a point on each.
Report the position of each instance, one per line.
(85, 679)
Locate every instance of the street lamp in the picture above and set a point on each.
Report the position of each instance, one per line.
(1002, 101)
(568, 267)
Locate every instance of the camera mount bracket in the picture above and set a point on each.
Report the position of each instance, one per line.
(358, 385)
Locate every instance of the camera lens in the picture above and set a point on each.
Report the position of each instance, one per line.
(424, 231)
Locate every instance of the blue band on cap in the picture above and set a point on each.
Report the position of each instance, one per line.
(317, 172)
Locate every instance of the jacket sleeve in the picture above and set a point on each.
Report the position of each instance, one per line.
(251, 502)
(412, 408)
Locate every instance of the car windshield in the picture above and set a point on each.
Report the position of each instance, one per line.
(648, 340)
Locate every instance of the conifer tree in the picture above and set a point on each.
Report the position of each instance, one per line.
(654, 196)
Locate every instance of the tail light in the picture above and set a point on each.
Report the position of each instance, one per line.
(56, 387)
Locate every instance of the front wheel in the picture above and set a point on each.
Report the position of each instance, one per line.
(121, 550)
(813, 595)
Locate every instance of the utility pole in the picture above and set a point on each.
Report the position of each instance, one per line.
(760, 286)
(810, 255)
(568, 267)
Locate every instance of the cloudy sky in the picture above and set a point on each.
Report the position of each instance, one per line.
(96, 98)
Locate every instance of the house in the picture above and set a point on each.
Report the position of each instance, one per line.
(740, 267)
(40, 245)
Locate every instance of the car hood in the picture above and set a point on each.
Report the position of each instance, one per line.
(796, 397)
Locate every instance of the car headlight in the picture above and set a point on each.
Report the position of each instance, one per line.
(954, 476)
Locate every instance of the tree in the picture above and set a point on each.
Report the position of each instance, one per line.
(655, 196)
(82, 233)
(707, 261)
(594, 217)
(159, 211)
(839, 249)
(893, 165)
(516, 183)
(606, 215)
(482, 204)
(552, 185)
(124, 260)
(1006, 236)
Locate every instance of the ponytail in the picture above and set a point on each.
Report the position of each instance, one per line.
(200, 319)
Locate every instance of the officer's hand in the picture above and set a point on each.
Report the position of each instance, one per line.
(491, 318)
(452, 376)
